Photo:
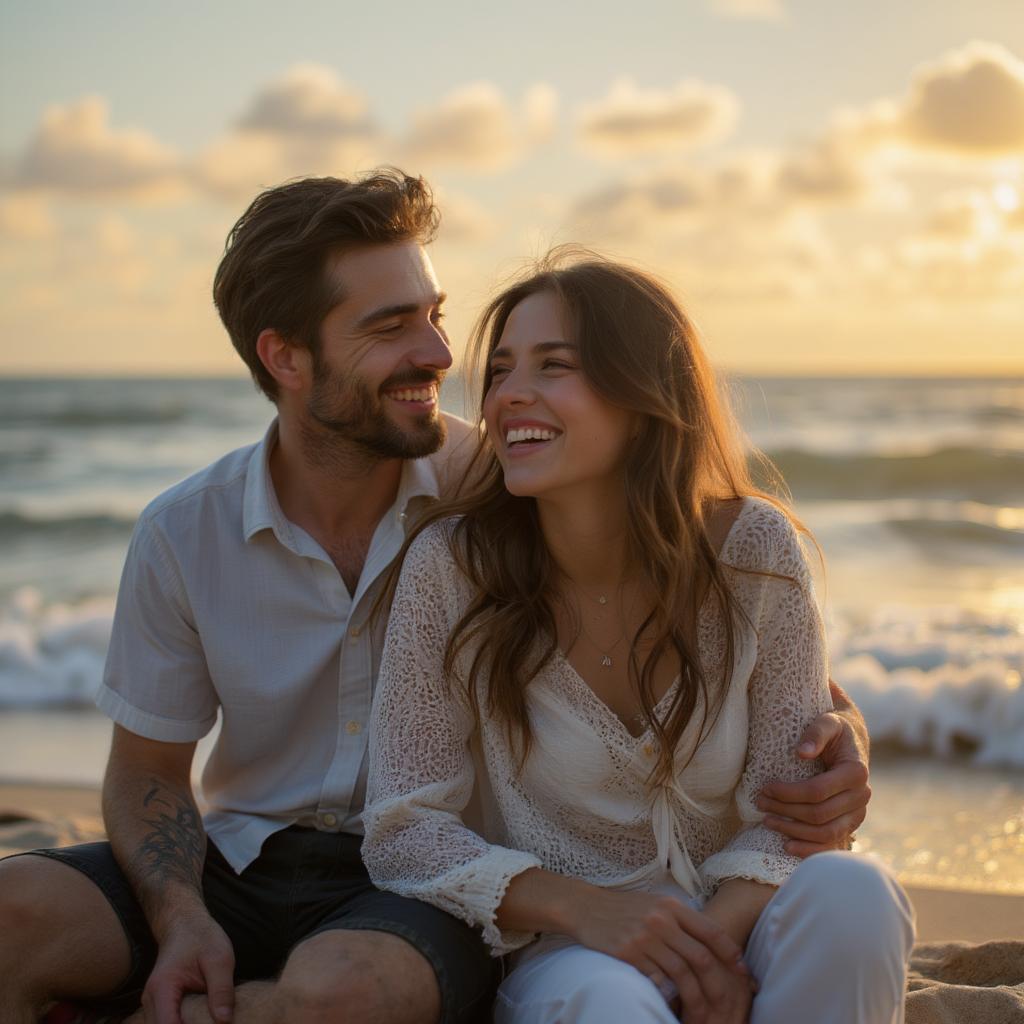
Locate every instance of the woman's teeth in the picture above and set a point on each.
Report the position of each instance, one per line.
(529, 434)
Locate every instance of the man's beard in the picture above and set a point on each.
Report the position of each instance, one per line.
(349, 410)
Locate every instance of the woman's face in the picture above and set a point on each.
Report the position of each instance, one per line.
(551, 431)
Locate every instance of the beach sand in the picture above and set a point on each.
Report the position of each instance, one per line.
(37, 815)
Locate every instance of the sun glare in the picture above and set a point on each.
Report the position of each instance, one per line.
(1006, 197)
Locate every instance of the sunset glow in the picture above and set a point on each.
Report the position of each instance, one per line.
(819, 210)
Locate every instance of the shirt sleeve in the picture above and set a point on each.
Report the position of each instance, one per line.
(788, 689)
(156, 682)
(421, 768)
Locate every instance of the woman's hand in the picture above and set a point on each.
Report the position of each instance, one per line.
(677, 947)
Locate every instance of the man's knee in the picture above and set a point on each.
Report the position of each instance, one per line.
(332, 974)
(28, 886)
(59, 931)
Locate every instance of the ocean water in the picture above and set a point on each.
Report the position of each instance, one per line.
(913, 488)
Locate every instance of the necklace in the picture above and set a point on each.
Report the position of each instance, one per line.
(606, 653)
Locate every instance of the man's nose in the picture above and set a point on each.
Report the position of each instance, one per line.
(432, 349)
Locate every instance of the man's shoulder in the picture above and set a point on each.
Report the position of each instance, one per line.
(223, 476)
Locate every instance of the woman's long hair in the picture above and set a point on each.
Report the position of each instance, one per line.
(639, 351)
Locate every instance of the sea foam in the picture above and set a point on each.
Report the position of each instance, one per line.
(942, 683)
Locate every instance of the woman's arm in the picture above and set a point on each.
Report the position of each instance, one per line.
(421, 771)
(736, 906)
(788, 688)
(823, 813)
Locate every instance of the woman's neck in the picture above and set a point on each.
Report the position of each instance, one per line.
(587, 540)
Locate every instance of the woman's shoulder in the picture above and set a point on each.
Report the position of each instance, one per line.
(434, 541)
(763, 537)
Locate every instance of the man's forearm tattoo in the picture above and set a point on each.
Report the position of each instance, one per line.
(173, 850)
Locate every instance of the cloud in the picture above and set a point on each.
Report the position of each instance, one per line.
(638, 205)
(630, 120)
(306, 122)
(476, 128)
(828, 171)
(309, 101)
(463, 220)
(975, 215)
(754, 187)
(75, 150)
(26, 217)
(969, 102)
(753, 10)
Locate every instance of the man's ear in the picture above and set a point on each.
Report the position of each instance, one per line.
(286, 362)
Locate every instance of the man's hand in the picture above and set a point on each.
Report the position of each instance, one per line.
(195, 956)
(823, 813)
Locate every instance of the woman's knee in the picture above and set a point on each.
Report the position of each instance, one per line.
(855, 901)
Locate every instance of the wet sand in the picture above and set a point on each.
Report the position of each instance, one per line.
(36, 815)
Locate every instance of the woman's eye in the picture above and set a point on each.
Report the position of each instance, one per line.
(555, 364)
(498, 371)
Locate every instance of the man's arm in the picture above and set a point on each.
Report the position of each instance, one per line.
(822, 813)
(158, 838)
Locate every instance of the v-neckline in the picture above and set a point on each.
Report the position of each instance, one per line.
(591, 694)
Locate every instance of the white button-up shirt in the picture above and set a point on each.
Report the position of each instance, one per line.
(225, 605)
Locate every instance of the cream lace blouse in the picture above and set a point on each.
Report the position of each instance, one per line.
(582, 805)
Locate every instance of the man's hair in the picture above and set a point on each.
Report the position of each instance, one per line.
(273, 274)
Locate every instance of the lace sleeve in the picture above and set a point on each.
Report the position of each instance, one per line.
(421, 770)
(788, 688)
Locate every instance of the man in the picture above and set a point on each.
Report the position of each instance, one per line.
(247, 591)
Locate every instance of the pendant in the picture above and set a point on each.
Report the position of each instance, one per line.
(602, 599)
(606, 661)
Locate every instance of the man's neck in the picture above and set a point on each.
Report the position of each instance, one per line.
(333, 490)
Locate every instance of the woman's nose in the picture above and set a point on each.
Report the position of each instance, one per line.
(515, 389)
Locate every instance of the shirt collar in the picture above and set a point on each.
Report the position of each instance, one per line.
(261, 510)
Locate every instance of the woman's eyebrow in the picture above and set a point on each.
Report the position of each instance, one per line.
(541, 347)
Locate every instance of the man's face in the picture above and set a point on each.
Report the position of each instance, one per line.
(383, 353)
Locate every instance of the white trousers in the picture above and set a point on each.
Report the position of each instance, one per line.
(831, 947)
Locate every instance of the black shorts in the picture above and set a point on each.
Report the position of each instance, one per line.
(303, 882)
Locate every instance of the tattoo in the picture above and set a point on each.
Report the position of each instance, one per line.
(173, 851)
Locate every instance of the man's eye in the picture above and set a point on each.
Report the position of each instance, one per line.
(439, 316)
(389, 329)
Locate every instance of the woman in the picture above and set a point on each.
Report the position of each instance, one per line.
(613, 643)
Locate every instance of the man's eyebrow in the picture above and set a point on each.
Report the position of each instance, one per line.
(397, 309)
(541, 347)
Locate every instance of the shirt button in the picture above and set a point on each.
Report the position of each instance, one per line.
(355, 631)
(353, 728)
(401, 517)
(330, 820)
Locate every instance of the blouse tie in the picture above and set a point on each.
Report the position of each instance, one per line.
(671, 853)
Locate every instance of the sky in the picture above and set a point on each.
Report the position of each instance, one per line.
(829, 187)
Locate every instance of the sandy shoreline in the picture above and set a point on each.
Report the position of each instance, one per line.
(72, 813)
